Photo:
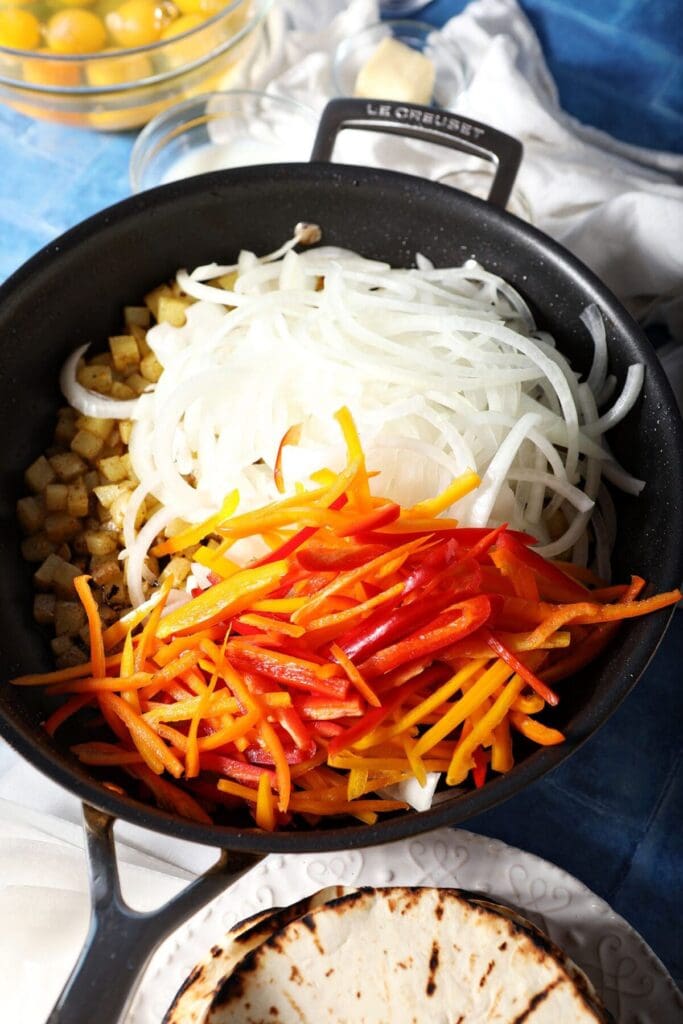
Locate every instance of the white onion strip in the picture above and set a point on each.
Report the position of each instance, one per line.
(92, 403)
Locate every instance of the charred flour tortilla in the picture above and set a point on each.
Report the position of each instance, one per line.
(405, 956)
(193, 1000)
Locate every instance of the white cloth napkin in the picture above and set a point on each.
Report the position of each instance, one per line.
(617, 207)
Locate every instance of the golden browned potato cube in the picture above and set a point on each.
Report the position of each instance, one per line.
(95, 425)
(115, 469)
(65, 431)
(152, 298)
(105, 570)
(77, 502)
(87, 445)
(124, 352)
(44, 608)
(151, 369)
(107, 494)
(96, 378)
(121, 391)
(226, 281)
(36, 548)
(66, 652)
(137, 383)
(55, 497)
(125, 429)
(69, 618)
(67, 466)
(138, 315)
(101, 359)
(92, 479)
(140, 335)
(117, 509)
(44, 577)
(171, 310)
(31, 514)
(64, 575)
(99, 542)
(114, 440)
(60, 526)
(39, 474)
(179, 569)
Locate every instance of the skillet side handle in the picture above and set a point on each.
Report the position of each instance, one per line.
(428, 124)
(120, 940)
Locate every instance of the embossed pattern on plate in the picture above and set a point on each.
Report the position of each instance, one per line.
(633, 983)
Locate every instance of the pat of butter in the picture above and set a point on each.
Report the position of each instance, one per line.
(396, 72)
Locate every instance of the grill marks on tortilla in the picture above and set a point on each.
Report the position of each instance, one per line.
(389, 955)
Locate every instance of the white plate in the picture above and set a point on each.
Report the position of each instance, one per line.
(631, 980)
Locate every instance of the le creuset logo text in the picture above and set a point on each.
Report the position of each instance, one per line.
(428, 118)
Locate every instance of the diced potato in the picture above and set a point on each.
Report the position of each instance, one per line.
(67, 653)
(92, 479)
(78, 502)
(179, 569)
(152, 298)
(36, 548)
(171, 310)
(99, 542)
(137, 383)
(102, 359)
(64, 575)
(151, 369)
(65, 431)
(67, 466)
(125, 429)
(87, 445)
(55, 497)
(138, 315)
(114, 440)
(108, 615)
(79, 544)
(95, 425)
(105, 571)
(117, 509)
(60, 645)
(115, 469)
(121, 391)
(31, 514)
(39, 474)
(226, 281)
(107, 494)
(44, 577)
(60, 526)
(96, 378)
(125, 352)
(69, 618)
(44, 609)
(64, 552)
(140, 335)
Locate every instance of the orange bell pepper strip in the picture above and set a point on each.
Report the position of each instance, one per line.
(155, 753)
(292, 436)
(194, 534)
(536, 731)
(174, 799)
(94, 624)
(564, 587)
(65, 711)
(226, 598)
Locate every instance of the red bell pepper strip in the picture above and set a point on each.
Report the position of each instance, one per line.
(480, 766)
(240, 771)
(379, 517)
(327, 559)
(319, 709)
(525, 673)
(294, 755)
(291, 671)
(291, 545)
(454, 624)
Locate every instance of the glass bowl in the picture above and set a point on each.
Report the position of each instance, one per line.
(119, 89)
(447, 58)
(236, 128)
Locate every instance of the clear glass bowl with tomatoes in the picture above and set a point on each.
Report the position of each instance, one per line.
(114, 64)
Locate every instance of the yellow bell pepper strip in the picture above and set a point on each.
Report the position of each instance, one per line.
(265, 805)
(92, 613)
(502, 759)
(171, 797)
(194, 534)
(457, 622)
(360, 487)
(457, 489)
(299, 538)
(460, 762)
(155, 753)
(224, 599)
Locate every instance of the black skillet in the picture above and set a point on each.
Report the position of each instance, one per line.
(73, 291)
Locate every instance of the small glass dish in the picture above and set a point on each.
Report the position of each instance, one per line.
(118, 89)
(447, 59)
(236, 128)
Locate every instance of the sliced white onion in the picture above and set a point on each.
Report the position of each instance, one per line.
(92, 403)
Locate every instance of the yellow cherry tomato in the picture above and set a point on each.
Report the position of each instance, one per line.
(50, 72)
(118, 70)
(205, 7)
(62, 4)
(16, 3)
(137, 23)
(185, 23)
(75, 31)
(19, 30)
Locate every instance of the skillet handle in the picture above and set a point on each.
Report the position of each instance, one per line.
(429, 125)
(120, 940)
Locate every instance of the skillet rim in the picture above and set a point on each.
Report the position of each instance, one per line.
(56, 765)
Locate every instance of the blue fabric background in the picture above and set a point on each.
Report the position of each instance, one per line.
(612, 815)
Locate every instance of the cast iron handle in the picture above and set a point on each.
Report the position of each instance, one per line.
(121, 940)
(429, 124)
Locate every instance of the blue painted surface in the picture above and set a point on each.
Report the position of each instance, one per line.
(612, 815)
